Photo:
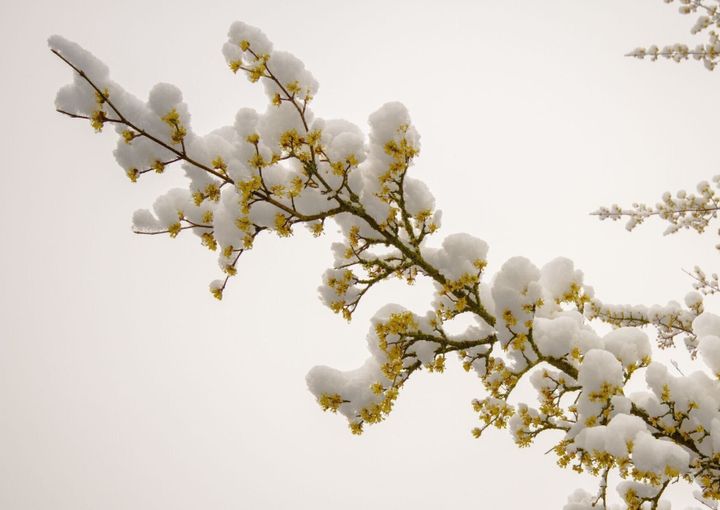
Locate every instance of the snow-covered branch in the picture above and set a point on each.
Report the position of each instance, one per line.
(271, 171)
(708, 22)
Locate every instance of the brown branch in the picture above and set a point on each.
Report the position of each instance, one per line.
(121, 119)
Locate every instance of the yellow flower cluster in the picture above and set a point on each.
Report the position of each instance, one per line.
(172, 119)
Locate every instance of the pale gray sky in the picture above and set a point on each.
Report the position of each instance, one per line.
(124, 385)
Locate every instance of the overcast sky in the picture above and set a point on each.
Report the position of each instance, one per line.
(124, 385)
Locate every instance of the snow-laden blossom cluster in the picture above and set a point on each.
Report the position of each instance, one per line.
(275, 169)
(670, 320)
(682, 211)
(708, 21)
